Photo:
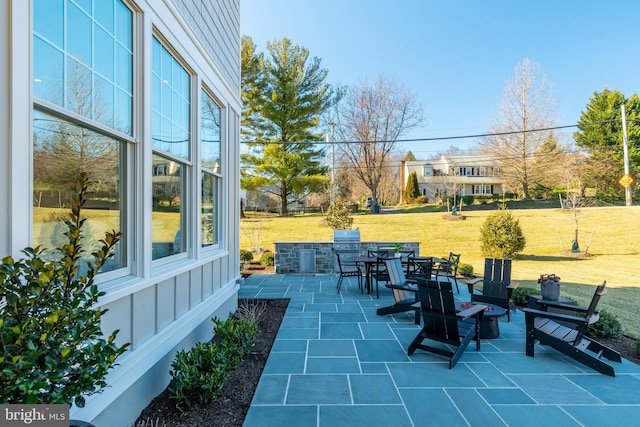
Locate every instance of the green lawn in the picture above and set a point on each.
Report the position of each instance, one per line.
(615, 246)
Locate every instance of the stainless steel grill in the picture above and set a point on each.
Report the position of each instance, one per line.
(346, 241)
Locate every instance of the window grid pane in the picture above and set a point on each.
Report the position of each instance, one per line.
(168, 216)
(86, 56)
(174, 104)
(209, 215)
(61, 150)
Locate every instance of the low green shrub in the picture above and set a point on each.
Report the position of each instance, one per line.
(501, 235)
(246, 255)
(421, 200)
(468, 199)
(236, 337)
(607, 326)
(521, 295)
(465, 269)
(267, 258)
(197, 375)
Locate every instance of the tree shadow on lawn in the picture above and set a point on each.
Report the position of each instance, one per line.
(544, 258)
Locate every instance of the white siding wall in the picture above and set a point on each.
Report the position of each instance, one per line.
(5, 133)
(158, 310)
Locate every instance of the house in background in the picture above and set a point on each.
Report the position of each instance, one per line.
(144, 95)
(464, 175)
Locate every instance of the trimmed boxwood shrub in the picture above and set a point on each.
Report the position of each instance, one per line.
(521, 295)
(197, 375)
(607, 326)
(267, 258)
(465, 269)
(246, 255)
(501, 236)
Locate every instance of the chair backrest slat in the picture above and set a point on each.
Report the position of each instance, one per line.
(497, 276)
(438, 310)
(591, 314)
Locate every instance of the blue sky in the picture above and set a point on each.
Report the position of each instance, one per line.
(457, 55)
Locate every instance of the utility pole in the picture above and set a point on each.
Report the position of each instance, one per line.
(627, 188)
(333, 164)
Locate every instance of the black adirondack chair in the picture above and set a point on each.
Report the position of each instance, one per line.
(441, 322)
(496, 285)
(348, 268)
(545, 327)
(404, 293)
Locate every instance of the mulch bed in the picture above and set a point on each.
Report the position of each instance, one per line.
(231, 407)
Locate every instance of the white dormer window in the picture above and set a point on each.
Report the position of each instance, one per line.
(428, 171)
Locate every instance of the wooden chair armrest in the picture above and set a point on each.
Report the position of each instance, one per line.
(474, 280)
(472, 311)
(528, 312)
(564, 306)
(513, 285)
(406, 287)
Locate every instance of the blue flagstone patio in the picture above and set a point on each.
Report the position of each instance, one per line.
(336, 363)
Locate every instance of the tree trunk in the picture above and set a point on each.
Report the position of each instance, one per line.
(283, 204)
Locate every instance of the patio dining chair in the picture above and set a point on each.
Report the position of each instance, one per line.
(379, 270)
(348, 268)
(449, 269)
(419, 267)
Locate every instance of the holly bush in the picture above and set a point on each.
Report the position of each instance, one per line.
(52, 349)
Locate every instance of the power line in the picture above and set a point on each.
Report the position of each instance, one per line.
(441, 138)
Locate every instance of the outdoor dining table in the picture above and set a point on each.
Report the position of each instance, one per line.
(370, 261)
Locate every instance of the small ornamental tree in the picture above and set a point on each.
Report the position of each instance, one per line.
(501, 236)
(339, 215)
(52, 349)
(411, 191)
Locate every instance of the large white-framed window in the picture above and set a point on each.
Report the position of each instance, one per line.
(211, 169)
(468, 171)
(483, 189)
(82, 118)
(171, 142)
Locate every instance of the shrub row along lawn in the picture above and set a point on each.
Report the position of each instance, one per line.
(613, 250)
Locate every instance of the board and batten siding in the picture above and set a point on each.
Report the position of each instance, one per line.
(159, 308)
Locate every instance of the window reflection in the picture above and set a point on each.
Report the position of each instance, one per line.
(209, 220)
(168, 212)
(210, 141)
(210, 155)
(170, 103)
(61, 150)
(91, 59)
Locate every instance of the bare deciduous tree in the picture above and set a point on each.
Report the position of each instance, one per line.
(527, 104)
(369, 121)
